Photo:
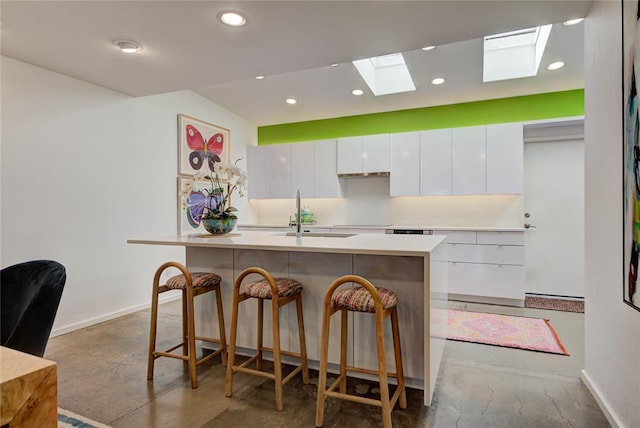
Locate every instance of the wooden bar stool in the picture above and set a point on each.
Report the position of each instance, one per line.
(365, 298)
(280, 291)
(191, 284)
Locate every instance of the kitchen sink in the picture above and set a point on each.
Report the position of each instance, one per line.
(323, 234)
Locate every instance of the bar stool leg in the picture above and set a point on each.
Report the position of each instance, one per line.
(343, 349)
(382, 372)
(324, 356)
(185, 326)
(191, 331)
(152, 330)
(398, 357)
(228, 384)
(303, 343)
(260, 333)
(277, 363)
(223, 341)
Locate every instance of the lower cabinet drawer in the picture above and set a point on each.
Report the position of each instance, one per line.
(458, 236)
(487, 280)
(501, 238)
(498, 254)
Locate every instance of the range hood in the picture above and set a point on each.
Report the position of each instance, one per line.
(364, 174)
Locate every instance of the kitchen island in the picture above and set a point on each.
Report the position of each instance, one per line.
(415, 267)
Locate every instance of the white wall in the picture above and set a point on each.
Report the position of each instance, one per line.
(612, 329)
(367, 201)
(83, 170)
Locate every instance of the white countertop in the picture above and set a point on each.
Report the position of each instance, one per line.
(380, 244)
(463, 228)
(381, 227)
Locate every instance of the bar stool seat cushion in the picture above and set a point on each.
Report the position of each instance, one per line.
(358, 299)
(262, 290)
(200, 279)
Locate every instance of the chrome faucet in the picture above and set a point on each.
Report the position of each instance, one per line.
(298, 216)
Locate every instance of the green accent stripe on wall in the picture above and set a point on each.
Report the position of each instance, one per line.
(528, 107)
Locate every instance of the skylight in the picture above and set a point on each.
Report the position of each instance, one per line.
(387, 74)
(514, 54)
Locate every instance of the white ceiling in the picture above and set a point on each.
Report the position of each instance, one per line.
(292, 43)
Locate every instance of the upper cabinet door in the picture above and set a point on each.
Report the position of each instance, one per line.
(468, 166)
(435, 162)
(349, 155)
(375, 153)
(257, 177)
(405, 164)
(302, 162)
(505, 158)
(326, 181)
(279, 166)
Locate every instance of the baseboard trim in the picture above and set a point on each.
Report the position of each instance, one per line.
(602, 402)
(502, 301)
(106, 317)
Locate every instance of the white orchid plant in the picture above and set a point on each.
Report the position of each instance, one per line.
(214, 201)
(225, 179)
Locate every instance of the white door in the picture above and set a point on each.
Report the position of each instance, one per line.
(554, 198)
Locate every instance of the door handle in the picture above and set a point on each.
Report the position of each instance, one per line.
(529, 226)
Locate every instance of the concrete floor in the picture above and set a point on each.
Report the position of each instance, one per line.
(102, 375)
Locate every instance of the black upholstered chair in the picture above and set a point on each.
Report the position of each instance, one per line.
(30, 293)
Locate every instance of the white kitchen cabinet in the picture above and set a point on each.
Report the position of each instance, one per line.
(357, 155)
(279, 168)
(468, 161)
(486, 266)
(505, 158)
(325, 180)
(500, 238)
(492, 283)
(376, 153)
(349, 155)
(257, 173)
(302, 167)
(494, 254)
(405, 164)
(435, 162)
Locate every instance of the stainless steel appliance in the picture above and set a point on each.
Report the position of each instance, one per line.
(406, 231)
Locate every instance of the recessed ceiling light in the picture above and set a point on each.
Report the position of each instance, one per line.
(335, 65)
(437, 81)
(259, 77)
(428, 48)
(555, 65)
(232, 18)
(128, 46)
(570, 22)
(291, 101)
(357, 92)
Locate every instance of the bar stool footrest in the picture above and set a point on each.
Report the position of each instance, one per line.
(287, 353)
(363, 400)
(247, 370)
(369, 371)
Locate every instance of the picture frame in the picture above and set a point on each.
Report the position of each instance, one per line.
(200, 145)
(193, 194)
(631, 152)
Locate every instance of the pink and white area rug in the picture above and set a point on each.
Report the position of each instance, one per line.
(534, 334)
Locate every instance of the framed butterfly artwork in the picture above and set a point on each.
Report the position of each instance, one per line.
(200, 145)
(194, 198)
